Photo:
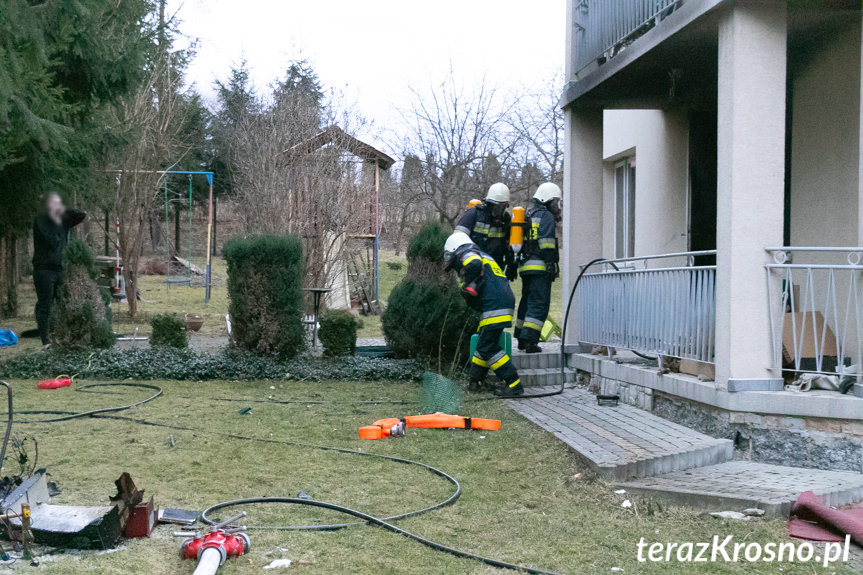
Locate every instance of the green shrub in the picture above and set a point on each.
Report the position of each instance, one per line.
(338, 333)
(395, 266)
(428, 243)
(82, 317)
(265, 275)
(170, 363)
(426, 316)
(170, 330)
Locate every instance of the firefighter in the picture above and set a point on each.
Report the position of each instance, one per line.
(488, 224)
(539, 266)
(486, 289)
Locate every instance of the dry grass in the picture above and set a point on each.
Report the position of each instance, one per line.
(525, 499)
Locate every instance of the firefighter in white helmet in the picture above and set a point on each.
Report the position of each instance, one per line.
(488, 225)
(486, 289)
(539, 266)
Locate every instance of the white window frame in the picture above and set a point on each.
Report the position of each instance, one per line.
(624, 207)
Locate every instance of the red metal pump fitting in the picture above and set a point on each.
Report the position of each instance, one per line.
(228, 545)
(228, 541)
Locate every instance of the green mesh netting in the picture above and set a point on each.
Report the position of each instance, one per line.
(439, 394)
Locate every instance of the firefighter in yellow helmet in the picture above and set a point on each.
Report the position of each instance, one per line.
(539, 266)
(486, 289)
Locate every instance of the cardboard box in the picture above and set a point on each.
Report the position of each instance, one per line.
(809, 336)
(697, 368)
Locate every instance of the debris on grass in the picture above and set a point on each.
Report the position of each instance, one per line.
(620, 491)
(626, 504)
(753, 512)
(736, 515)
(278, 564)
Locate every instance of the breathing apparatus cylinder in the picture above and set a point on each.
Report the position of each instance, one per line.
(473, 203)
(516, 231)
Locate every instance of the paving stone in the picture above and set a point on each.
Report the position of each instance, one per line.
(737, 485)
(624, 441)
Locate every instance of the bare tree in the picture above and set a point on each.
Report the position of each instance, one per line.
(454, 131)
(152, 117)
(537, 119)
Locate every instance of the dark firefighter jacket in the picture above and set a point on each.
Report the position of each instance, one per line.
(494, 299)
(540, 245)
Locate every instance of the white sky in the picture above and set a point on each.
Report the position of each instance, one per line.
(372, 51)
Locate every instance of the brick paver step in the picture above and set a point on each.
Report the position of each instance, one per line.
(622, 442)
(737, 485)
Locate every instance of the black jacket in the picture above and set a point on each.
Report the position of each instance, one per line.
(540, 242)
(49, 239)
(492, 239)
(480, 274)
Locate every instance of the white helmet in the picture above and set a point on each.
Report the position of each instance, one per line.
(498, 193)
(547, 192)
(455, 241)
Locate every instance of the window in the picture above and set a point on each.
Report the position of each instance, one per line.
(624, 208)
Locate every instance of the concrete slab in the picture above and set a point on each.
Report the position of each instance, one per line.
(622, 442)
(737, 485)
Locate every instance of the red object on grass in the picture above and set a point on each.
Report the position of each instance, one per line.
(54, 383)
(818, 522)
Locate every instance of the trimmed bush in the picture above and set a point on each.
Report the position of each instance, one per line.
(428, 243)
(426, 317)
(82, 317)
(170, 330)
(265, 287)
(338, 333)
(170, 363)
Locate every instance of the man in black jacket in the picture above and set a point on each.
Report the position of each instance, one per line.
(539, 266)
(50, 234)
(488, 225)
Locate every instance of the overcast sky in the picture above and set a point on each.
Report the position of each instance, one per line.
(373, 50)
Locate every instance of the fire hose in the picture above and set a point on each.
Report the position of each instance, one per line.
(207, 561)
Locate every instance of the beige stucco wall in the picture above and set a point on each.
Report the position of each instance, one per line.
(825, 144)
(825, 168)
(658, 141)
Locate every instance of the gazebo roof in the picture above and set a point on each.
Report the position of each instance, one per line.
(338, 137)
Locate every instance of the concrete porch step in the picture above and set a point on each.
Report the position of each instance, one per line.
(548, 359)
(737, 485)
(546, 377)
(622, 442)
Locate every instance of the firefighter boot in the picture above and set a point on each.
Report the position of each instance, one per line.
(510, 389)
(532, 347)
(474, 386)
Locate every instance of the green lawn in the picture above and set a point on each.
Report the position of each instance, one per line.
(525, 498)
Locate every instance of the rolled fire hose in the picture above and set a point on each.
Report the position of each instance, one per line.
(209, 563)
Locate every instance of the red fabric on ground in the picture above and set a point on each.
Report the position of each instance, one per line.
(813, 520)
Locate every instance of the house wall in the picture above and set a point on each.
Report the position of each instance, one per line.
(825, 165)
(825, 143)
(658, 141)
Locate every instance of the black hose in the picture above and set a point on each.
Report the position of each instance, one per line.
(67, 415)
(8, 426)
(374, 521)
(109, 413)
(566, 317)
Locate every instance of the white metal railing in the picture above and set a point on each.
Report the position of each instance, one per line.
(667, 311)
(816, 310)
(603, 27)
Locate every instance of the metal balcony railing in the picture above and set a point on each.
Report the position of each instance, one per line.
(816, 313)
(603, 28)
(666, 311)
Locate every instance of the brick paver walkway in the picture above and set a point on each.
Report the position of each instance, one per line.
(740, 484)
(622, 442)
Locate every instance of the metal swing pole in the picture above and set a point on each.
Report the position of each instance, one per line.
(189, 269)
(209, 240)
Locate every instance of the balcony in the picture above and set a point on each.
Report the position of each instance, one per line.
(604, 28)
(660, 305)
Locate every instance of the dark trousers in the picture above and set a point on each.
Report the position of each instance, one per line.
(533, 307)
(48, 283)
(489, 355)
